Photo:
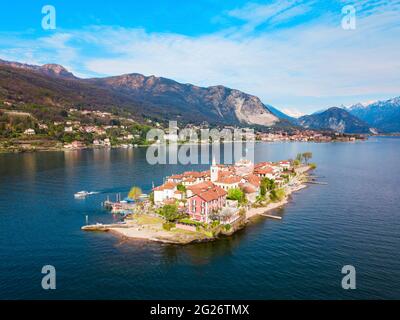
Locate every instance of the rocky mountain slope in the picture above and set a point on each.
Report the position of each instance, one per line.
(216, 103)
(47, 69)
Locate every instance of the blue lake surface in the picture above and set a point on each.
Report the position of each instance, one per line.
(353, 220)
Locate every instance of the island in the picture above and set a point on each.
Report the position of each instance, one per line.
(200, 206)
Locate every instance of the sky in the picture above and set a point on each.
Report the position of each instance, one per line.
(300, 56)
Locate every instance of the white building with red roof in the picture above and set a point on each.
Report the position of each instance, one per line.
(203, 205)
(164, 192)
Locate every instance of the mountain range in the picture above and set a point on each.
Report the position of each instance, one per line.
(53, 86)
(383, 115)
(336, 119)
(380, 116)
(151, 96)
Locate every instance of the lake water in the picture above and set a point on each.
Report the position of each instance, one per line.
(354, 220)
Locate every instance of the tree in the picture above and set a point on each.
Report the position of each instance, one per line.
(268, 184)
(135, 193)
(299, 157)
(170, 212)
(151, 197)
(263, 190)
(277, 195)
(181, 187)
(236, 194)
(307, 156)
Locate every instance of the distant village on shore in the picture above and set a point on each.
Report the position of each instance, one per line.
(80, 129)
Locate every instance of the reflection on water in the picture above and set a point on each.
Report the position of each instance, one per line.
(354, 219)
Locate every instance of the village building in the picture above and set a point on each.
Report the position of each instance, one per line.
(285, 164)
(176, 178)
(264, 172)
(228, 182)
(164, 192)
(198, 188)
(202, 206)
(29, 132)
(179, 195)
(75, 145)
(188, 181)
(244, 167)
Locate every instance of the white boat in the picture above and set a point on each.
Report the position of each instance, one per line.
(84, 194)
(81, 194)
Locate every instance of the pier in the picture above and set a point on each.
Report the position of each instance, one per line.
(316, 182)
(271, 216)
(103, 227)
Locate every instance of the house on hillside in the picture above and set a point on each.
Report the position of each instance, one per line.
(29, 132)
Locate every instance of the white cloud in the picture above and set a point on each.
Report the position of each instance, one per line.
(299, 68)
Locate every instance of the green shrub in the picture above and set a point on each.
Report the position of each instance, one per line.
(168, 226)
(236, 194)
(170, 212)
(215, 224)
(190, 222)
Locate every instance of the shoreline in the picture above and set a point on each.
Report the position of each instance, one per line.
(154, 233)
(254, 212)
(36, 149)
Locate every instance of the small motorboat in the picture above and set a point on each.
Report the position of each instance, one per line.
(81, 195)
(84, 194)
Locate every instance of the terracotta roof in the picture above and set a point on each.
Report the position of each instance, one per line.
(229, 180)
(200, 187)
(194, 174)
(262, 164)
(176, 177)
(253, 179)
(212, 194)
(263, 170)
(165, 186)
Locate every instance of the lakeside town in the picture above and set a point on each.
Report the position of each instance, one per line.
(22, 131)
(198, 206)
